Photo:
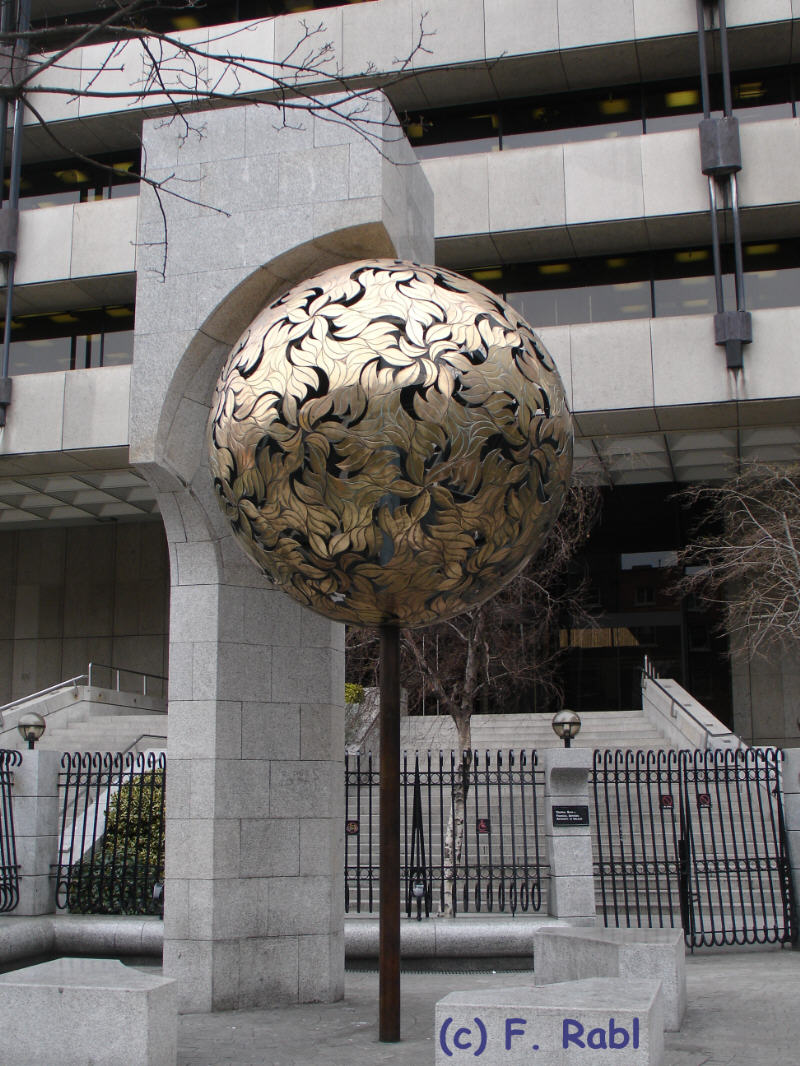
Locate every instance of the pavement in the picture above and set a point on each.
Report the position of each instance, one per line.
(743, 1010)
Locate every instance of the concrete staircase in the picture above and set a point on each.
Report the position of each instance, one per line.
(90, 718)
(118, 732)
(523, 732)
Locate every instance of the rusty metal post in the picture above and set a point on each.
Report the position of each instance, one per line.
(389, 949)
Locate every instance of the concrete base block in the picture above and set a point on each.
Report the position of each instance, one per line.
(79, 1011)
(659, 954)
(610, 1021)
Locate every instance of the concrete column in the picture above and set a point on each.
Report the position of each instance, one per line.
(36, 824)
(791, 812)
(255, 790)
(568, 818)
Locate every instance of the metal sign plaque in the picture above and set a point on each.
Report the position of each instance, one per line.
(351, 827)
(483, 825)
(666, 801)
(571, 815)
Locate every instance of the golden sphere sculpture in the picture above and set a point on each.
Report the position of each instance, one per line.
(390, 442)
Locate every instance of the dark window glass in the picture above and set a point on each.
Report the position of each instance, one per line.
(684, 296)
(169, 18)
(762, 94)
(71, 340)
(117, 348)
(670, 282)
(619, 111)
(572, 116)
(71, 181)
(596, 303)
(673, 105)
(40, 356)
(454, 131)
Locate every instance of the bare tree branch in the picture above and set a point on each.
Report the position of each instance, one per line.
(744, 558)
(508, 647)
(181, 75)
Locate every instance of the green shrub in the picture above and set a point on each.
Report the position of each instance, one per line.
(117, 876)
(353, 693)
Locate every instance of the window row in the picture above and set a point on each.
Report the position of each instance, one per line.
(646, 285)
(597, 289)
(622, 111)
(71, 340)
(171, 18)
(72, 181)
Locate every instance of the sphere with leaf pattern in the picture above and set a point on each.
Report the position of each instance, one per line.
(391, 443)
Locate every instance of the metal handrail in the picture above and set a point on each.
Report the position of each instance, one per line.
(42, 692)
(143, 736)
(649, 672)
(114, 671)
(117, 670)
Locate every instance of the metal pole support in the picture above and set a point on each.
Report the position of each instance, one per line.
(389, 944)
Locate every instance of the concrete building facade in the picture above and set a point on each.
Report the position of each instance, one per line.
(547, 148)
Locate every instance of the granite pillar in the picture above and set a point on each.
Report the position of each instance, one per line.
(36, 829)
(568, 820)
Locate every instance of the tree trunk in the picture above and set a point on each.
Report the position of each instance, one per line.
(454, 836)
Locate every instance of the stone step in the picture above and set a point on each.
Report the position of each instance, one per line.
(107, 733)
(613, 729)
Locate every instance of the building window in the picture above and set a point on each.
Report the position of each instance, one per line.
(620, 111)
(170, 18)
(73, 181)
(645, 285)
(72, 340)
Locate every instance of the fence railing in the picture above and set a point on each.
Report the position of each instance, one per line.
(472, 833)
(111, 851)
(694, 839)
(9, 869)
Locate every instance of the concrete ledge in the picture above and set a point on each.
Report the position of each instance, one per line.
(615, 1020)
(76, 1011)
(63, 934)
(660, 954)
(465, 937)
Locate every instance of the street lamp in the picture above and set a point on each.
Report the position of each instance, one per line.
(31, 726)
(418, 891)
(566, 724)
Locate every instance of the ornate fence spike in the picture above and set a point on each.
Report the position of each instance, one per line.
(9, 868)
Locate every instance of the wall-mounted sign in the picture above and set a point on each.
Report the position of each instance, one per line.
(703, 799)
(351, 827)
(666, 802)
(571, 815)
(483, 825)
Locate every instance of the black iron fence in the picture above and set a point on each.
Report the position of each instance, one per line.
(683, 838)
(471, 833)
(111, 852)
(9, 869)
(694, 839)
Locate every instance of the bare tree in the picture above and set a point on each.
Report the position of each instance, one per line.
(122, 56)
(745, 555)
(503, 655)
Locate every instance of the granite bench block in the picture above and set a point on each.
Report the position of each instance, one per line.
(78, 1011)
(601, 1021)
(572, 954)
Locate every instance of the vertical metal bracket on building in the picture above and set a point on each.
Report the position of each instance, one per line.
(721, 161)
(13, 61)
